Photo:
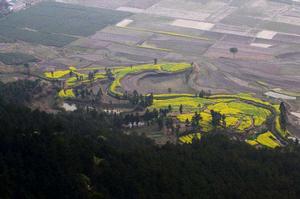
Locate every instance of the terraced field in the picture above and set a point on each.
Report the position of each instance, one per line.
(74, 77)
(240, 116)
(120, 73)
(120, 35)
(243, 112)
(266, 139)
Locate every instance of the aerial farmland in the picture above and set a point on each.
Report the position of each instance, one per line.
(245, 61)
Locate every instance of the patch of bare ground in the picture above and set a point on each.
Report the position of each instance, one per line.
(206, 77)
(156, 82)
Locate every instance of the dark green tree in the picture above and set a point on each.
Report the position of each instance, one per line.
(283, 116)
(181, 109)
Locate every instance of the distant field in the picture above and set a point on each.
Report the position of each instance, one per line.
(16, 58)
(56, 24)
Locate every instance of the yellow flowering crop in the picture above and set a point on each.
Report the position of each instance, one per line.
(188, 139)
(268, 139)
(67, 93)
(252, 142)
(59, 73)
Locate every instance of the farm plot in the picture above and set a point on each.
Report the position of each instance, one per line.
(182, 46)
(282, 27)
(171, 9)
(59, 73)
(56, 24)
(193, 24)
(74, 77)
(241, 20)
(246, 52)
(279, 95)
(240, 116)
(66, 93)
(135, 54)
(120, 73)
(188, 139)
(151, 82)
(266, 139)
(16, 58)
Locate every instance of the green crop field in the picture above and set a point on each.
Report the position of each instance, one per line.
(56, 24)
(16, 58)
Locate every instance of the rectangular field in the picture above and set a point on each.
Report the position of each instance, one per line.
(57, 24)
(16, 58)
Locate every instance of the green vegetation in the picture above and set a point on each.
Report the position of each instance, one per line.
(20, 92)
(56, 24)
(283, 132)
(74, 77)
(239, 115)
(188, 139)
(16, 58)
(120, 73)
(84, 154)
(66, 93)
(57, 74)
(266, 139)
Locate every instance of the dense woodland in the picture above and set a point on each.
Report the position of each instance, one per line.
(86, 155)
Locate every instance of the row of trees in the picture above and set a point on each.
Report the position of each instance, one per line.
(283, 116)
(203, 94)
(138, 99)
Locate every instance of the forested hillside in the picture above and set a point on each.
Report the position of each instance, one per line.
(85, 155)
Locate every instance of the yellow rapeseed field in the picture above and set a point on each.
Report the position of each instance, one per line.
(268, 139)
(190, 104)
(188, 139)
(67, 93)
(252, 142)
(59, 73)
(205, 122)
(239, 115)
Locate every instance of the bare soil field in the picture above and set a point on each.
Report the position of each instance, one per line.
(153, 82)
